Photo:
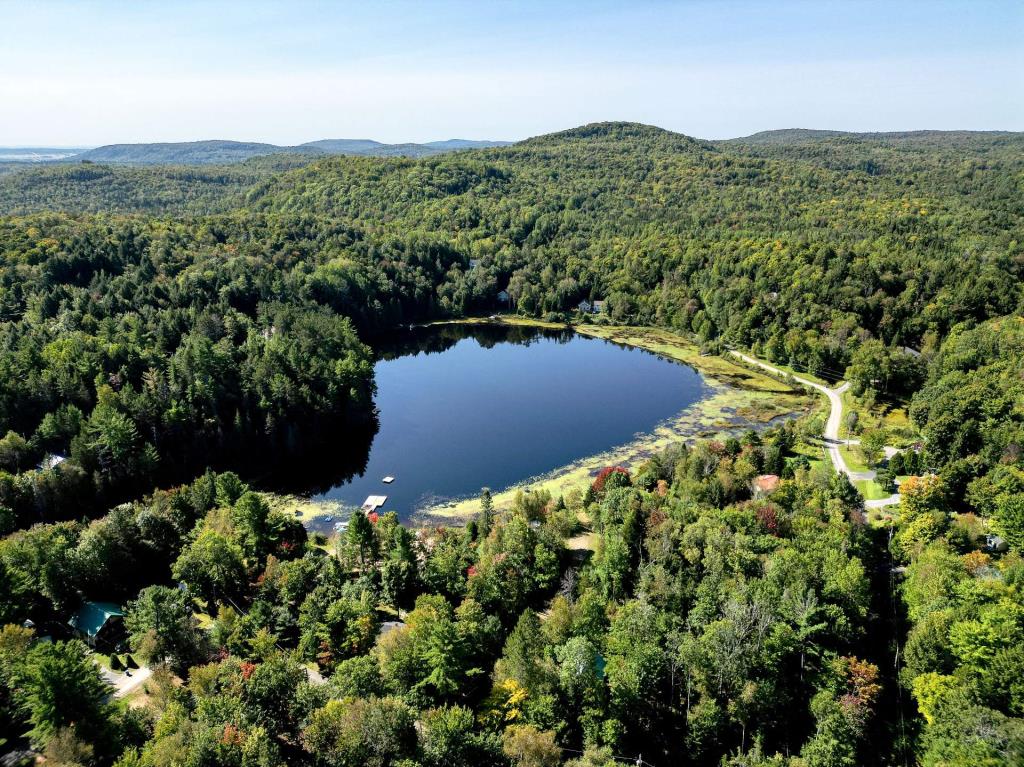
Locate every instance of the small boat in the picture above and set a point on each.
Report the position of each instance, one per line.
(388, 480)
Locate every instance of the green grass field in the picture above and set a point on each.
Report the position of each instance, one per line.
(870, 490)
(801, 373)
(891, 416)
(851, 453)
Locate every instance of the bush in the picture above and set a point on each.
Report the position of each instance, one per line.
(886, 480)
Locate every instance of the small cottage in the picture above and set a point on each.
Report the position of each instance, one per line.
(101, 624)
(388, 626)
(51, 462)
(765, 484)
(994, 543)
(598, 307)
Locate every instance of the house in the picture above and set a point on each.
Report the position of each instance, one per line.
(584, 306)
(388, 626)
(51, 462)
(101, 624)
(994, 543)
(765, 484)
(598, 307)
(503, 296)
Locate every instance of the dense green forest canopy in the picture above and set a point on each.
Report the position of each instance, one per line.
(705, 624)
(156, 321)
(98, 188)
(786, 253)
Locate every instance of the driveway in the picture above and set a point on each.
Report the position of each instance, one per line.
(124, 684)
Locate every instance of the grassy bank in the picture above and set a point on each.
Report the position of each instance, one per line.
(306, 510)
(503, 319)
(681, 349)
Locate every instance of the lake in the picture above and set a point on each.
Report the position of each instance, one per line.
(462, 407)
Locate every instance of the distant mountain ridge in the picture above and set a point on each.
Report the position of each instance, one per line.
(37, 153)
(219, 151)
(793, 136)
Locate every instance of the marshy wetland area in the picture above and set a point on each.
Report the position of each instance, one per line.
(483, 398)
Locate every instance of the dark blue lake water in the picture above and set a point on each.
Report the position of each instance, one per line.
(466, 407)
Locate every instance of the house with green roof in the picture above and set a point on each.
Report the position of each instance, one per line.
(101, 624)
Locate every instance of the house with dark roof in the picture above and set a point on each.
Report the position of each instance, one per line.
(100, 624)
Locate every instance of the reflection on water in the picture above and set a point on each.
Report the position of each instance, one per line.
(337, 453)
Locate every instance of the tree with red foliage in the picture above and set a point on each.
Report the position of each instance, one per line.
(609, 477)
(247, 669)
(767, 515)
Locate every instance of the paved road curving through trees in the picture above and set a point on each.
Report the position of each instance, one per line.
(831, 436)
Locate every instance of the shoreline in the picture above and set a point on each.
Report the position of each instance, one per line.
(739, 399)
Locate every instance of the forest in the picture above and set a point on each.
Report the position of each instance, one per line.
(167, 331)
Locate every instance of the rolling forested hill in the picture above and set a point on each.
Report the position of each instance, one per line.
(186, 153)
(158, 320)
(793, 248)
(220, 152)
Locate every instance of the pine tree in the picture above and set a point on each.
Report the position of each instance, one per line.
(486, 520)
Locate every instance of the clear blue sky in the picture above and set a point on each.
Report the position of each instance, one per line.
(287, 72)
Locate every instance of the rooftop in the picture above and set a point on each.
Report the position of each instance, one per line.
(766, 483)
(93, 616)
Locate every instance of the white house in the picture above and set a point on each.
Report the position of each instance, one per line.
(51, 462)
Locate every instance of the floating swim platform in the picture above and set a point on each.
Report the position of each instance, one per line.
(374, 502)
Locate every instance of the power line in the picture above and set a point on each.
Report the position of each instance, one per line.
(638, 760)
